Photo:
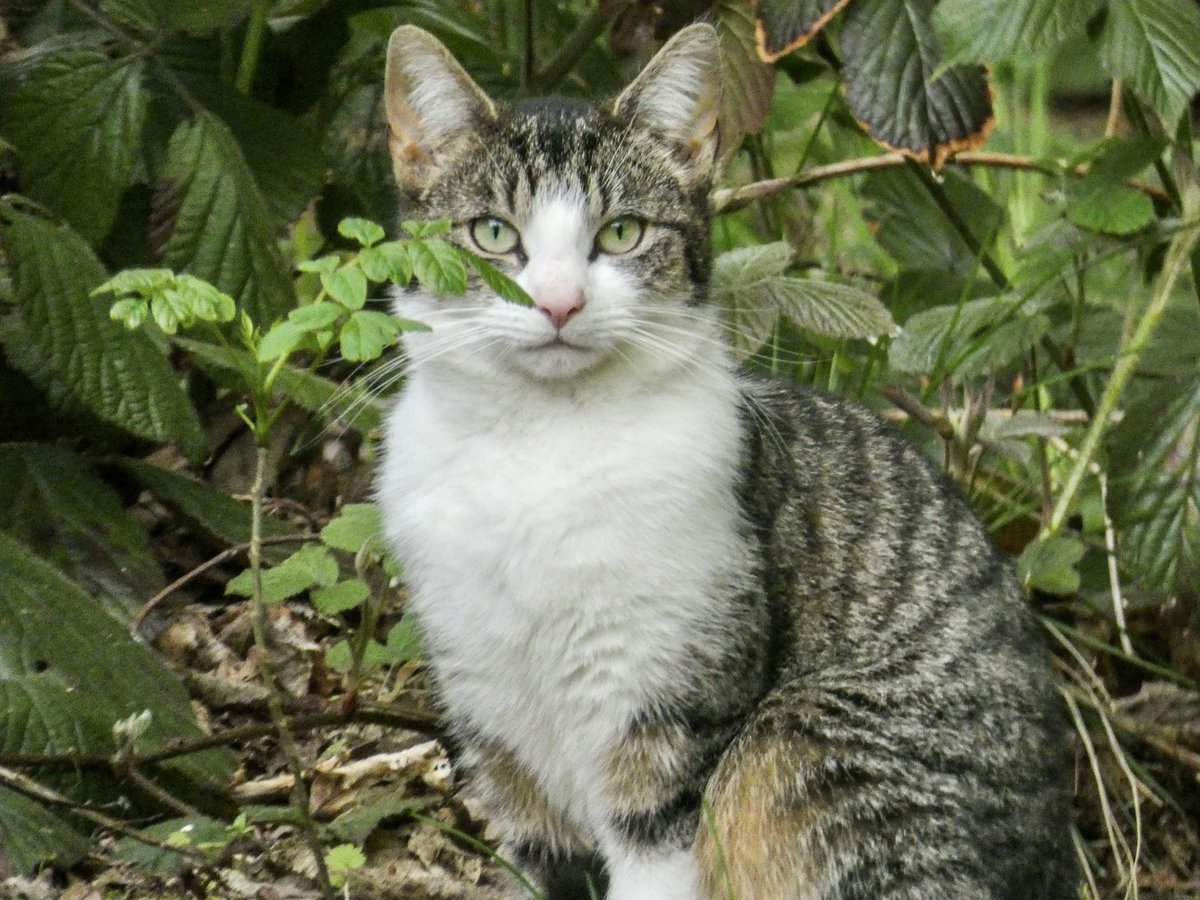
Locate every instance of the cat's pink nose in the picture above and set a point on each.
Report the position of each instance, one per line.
(559, 305)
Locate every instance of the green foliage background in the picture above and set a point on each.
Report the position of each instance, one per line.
(1028, 308)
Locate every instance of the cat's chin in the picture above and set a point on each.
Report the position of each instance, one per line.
(557, 360)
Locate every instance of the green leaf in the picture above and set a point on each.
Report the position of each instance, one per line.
(1154, 47)
(1051, 564)
(76, 120)
(66, 341)
(1100, 201)
(282, 339)
(359, 822)
(897, 87)
(51, 502)
(367, 333)
(310, 566)
(387, 262)
(502, 284)
(347, 405)
(220, 228)
(784, 25)
(990, 30)
(339, 658)
(31, 835)
(355, 525)
(364, 231)
(751, 290)
(59, 647)
(347, 285)
(130, 312)
(341, 860)
(438, 266)
(747, 83)
(426, 229)
(316, 316)
(403, 641)
(340, 597)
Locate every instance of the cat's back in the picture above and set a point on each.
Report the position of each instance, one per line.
(912, 714)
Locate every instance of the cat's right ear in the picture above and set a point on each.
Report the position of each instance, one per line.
(430, 101)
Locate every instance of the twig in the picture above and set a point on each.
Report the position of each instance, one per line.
(266, 668)
(729, 200)
(229, 552)
(934, 419)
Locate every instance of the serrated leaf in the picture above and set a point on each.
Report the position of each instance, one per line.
(31, 835)
(221, 231)
(425, 229)
(438, 266)
(58, 647)
(990, 30)
(50, 501)
(354, 526)
(1100, 201)
(66, 341)
(364, 231)
(971, 338)
(784, 25)
(282, 339)
(310, 566)
(316, 316)
(387, 262)
(898, 88)
(341, 596)
(130, 312)
(347, 285)
(341, 860)
(367, 333)
(747, 83)
(76, 120)
(1154, 47)
(503, 285)
(749, 287)
(1051, 564)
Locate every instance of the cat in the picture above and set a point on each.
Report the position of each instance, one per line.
(699, 634)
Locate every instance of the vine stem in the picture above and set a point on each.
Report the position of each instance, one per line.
(1178, 257)
(266, 669)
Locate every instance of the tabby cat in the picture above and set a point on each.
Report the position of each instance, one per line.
(703, 635)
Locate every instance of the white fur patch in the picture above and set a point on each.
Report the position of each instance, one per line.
(669, 876)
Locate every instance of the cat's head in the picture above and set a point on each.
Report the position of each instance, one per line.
(599, 212)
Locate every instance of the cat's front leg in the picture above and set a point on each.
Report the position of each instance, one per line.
(655, 782)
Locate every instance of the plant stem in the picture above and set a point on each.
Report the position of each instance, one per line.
(1178, 258)
(589, 28)
(252, 46)
(266, 668)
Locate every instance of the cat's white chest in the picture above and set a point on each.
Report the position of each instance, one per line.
(562, 559)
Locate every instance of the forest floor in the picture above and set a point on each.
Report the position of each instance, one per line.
(386, 785)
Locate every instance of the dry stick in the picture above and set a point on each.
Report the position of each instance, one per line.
(732, 199)
(229, 552)
(266, 668)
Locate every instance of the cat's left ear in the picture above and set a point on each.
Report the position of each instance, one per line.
(431, 102)
(677, 96)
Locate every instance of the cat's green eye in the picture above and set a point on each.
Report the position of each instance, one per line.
(620, 235)
(494, 235)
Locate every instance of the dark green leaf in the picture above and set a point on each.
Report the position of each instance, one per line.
(310, 566)
(31, 835)
(347, 285)
(76, 120)
(340, 597)
(221, 231)
(66, 341)
(1154, 46)
(990, 30)
(355, 525)
(1100, 201)
(897, 87)
(502, 284)
(784, 25)
(1051, 564)
(50, 501)
(59, 647)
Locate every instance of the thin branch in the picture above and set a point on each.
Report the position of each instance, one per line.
(226, 554)
(728, 200)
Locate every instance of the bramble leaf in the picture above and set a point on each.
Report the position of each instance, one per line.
(1154, 46)
(1013, 27)
(438, 266)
